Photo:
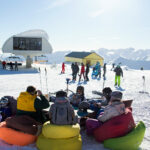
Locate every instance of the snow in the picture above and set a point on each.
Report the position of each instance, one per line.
(13, 82)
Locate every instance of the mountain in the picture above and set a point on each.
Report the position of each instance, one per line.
(134, 59)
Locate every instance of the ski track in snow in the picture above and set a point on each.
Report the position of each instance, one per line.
(13, 82)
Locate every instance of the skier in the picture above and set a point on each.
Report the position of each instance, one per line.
(104, 71)
(87, 71)
(98, 68)
(72, 68)
(119, 73)
(63, 68)
(82, 72)
(75, 71)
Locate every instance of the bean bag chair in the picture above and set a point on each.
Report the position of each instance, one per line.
(14, 137)
(23, 123)
(91, 125)
(131, 141)
(57, 131)
(115, 127)
(74, 143)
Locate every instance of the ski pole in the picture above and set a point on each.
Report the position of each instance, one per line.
(46, 81)
(40, 78)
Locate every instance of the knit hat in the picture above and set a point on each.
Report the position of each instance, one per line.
(116, 95)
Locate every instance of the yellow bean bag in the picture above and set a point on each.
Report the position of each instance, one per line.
(74, 143)
(60, 131)
(14, 137)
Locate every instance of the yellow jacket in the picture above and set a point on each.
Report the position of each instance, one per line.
(25, 102)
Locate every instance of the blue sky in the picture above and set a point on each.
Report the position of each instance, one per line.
(80, 24)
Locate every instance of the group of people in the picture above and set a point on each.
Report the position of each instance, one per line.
(96, 73)
(32, 103)
(85, 69)
(11, 65)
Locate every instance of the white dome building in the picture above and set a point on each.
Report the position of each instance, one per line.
(29, 43)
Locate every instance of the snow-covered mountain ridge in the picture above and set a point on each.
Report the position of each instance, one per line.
(134, 59)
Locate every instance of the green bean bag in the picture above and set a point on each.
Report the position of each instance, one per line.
(131, 141)
(60, 132)
(74, 143)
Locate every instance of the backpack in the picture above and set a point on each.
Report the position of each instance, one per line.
(62, 114)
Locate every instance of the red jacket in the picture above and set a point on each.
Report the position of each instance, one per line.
(82, 69)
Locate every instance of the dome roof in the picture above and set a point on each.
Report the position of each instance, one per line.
(33, 33)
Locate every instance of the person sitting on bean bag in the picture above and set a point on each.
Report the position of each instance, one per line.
(78, 97)
(61, 112)
(31, 103)
(115, 108)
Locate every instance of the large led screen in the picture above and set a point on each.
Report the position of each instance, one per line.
(25, 43)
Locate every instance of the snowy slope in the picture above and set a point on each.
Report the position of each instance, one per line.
(12, 83)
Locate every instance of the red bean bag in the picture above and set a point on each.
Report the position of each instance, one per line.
(14, 137)
(115, 127)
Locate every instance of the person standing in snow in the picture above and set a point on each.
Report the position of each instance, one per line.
(16, 66)
(75, 71)
(11, 66)
(63, 68)
(118, 72)
(87, 71)
(82, 72)
(98, 68)
(4, 64)
(104, 71)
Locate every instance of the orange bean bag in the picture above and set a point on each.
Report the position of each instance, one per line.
(14, 137)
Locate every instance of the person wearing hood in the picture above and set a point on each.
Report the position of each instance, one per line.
(118, 72)
(115, 108)
(61, 112)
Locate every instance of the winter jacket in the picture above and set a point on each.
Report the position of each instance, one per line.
(75, 69)
(116, 108)
(87, 68)
(62, 113)
(35, 107)
(118, 71)
(82, 69)
(75, 99)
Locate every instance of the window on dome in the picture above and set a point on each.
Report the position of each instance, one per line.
(26, 43)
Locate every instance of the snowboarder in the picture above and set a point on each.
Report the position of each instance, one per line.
(119, 73)
(63, 68)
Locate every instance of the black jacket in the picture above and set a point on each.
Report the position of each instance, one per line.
(118, 71)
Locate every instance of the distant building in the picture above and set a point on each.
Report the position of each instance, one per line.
(29, 43)
(84, 57)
